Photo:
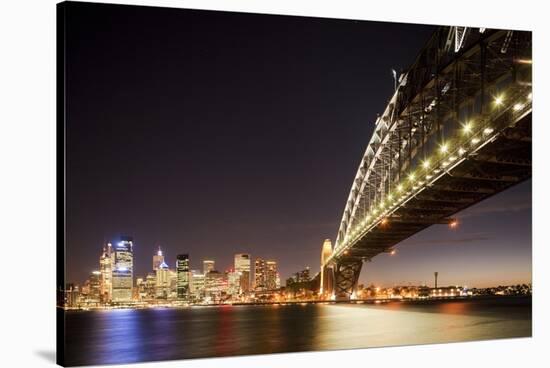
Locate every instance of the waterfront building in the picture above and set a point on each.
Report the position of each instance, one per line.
(271, 275)
(197, 285)
(207, 266)
(242, 266)
(233, 282)
(215, 286)
(71, 295)
(259, 275)
(106, 270)
(182, 269)
(92, 288)
(162, 289)
(123, 271)
(150, 286)
(157, 259)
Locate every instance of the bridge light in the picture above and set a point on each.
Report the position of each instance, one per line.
(530, 96)
(428, 177)
(487, 131)
(411, 176)
(452, 158)
(426, 164)
(453, 224)
(444, 148)
(400, 187)
(445, 163)
(461, 151)
(518, 107)
(393, 251)
(467, 128)
(475, 140)
(499, 100)
(390, 197)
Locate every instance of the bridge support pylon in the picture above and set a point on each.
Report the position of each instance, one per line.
(346, 274)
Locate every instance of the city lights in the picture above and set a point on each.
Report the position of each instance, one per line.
(444, 148)
(467, 128)
(499, 100)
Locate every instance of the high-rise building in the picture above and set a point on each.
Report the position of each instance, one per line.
(150, 286)
(162, 289)
(242, 267)
(182, 269)
(271, 275)
(157, 259)
(326, 271)
(123, 270)
(233, 282)
(106, 270)
(197, 285)
(207, 266)
(259, 275)
(93, 287)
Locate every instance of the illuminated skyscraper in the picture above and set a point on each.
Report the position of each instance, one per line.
(106, 270)
(197, 285)
(207, 266)
(271, 275)
(182, 268)
(162, 289)
(259, 275)
(123, 270)
(326, 271)
(242, 267)
(157, 259)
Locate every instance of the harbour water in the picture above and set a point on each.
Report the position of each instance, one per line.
(131, 335)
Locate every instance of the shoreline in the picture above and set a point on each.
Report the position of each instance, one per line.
(301, 302)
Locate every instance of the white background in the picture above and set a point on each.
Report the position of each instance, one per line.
(27, 180)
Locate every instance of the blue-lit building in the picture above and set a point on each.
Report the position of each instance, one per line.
(123, 270)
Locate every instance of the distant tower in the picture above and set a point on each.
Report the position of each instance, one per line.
(435, 275)
(106, 270)
(326, 276)
(158, 259)
(123, 270)
(207, 266)
(163, 282)
(242, 266)
(259, 275)
(271, 275)
(182, 269)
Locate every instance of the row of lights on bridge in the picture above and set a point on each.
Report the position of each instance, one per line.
(467, 129)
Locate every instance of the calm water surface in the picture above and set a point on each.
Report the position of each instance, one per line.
(123, 336)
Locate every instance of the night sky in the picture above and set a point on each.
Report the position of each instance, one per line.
(214, 133)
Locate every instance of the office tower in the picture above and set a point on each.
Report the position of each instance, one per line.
(157, 259)
(242, 267)
(207, 266)
(326, 271)
(271, 275)
(259, 275)
(182, 269)
(163, 281)
(106, 270)
(150, 286)
(93, 287)
(197, 285)
(215, 286)
(233, 282)
(123, 270)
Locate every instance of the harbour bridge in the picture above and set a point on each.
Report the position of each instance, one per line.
(456, 131)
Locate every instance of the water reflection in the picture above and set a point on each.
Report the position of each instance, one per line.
(119, 336)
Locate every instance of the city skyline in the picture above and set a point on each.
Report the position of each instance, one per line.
(165, 166)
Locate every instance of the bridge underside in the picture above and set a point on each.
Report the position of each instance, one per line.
(498, 165)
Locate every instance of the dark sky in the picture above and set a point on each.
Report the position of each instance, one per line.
(213, 133)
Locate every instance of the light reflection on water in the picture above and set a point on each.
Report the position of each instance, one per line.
(120, 336)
